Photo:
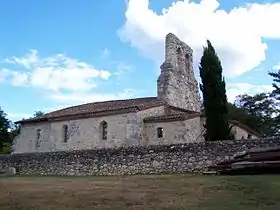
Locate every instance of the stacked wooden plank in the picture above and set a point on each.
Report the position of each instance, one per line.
(7, 171)
(255, 161)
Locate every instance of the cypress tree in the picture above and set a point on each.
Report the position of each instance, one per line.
(213, 89)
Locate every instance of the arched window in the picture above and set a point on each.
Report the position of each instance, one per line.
(160, 132)
(103, 130)
(65, 133)
(187, 61)
(180, 57)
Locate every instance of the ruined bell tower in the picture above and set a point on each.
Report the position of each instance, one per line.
(177, 84)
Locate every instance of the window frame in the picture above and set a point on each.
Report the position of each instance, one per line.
(103, 129)
(38, 137)
(160, 132)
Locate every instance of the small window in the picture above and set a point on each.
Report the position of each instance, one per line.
(38, 137)
(65, 133)
(249, 136)
(160, 132)
(103, 130)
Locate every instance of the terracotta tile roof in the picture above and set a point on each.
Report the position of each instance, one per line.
(100, 109)
(172, 117)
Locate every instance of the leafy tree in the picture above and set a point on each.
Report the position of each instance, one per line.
(15, 130)
(7, 148)
(260, 113)
(213, 89)
(38, 114)
(4, 130)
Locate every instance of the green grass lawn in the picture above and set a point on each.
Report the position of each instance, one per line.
(142, 192)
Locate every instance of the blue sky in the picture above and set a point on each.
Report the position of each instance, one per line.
(55, 54)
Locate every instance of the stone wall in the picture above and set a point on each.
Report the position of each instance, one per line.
(175, 132)
(178, 158)
(83, 134)
(177, 84)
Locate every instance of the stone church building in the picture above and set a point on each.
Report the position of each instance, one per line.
(170, 118)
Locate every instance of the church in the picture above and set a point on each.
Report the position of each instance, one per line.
(173, 117)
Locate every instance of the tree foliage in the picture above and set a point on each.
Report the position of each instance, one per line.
(5, 137)
(276, 80)
(259, 112)
(213, 89)
(38, 114)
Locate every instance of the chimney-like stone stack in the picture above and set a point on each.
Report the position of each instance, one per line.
(177, 84)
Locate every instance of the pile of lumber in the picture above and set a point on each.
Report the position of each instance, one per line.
(255, 161)
(7, 171)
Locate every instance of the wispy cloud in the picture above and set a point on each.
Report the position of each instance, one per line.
(235, 89)
(122, 70)
(14, 116)
(276, 67)
(57, 72)
(63, 79)
(14, 77)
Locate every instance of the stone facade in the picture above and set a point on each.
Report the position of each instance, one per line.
(176, 132)
(177, 84)
(122, 131)
(240, 133)
(179, 158)
(82, 134)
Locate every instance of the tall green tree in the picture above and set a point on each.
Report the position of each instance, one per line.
(5, 137)
(213, 89)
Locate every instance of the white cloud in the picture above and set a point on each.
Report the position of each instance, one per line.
(235, 89)
(237, 35)
(14, 77)
(122, 69)
(14, 116)
(19, 78)
(4, 74)
(65, 80)
(56, 73)
(26, 61)
(276, 67)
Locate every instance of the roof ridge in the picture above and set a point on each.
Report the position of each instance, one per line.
(140, 103)
(99, 102)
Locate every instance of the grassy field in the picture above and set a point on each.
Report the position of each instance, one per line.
(142, 192)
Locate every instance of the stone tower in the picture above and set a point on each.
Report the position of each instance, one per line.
(177, 84)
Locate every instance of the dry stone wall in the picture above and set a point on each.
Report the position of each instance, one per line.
(179, 158)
